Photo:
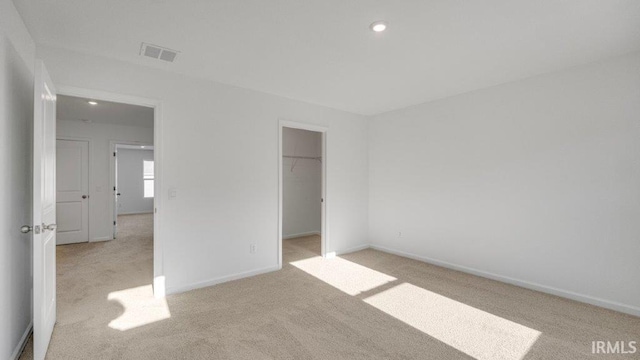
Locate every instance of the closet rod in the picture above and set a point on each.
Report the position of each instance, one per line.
(302, 157)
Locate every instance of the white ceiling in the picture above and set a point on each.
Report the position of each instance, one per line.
(323, 52)
(75, 108)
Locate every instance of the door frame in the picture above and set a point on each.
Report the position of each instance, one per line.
(324, 225)
(159, 289)
(89, 168)
(112, 175)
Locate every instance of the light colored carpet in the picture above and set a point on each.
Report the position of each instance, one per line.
(364, 305)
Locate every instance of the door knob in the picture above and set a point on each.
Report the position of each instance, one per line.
(85, 196)
(51, 227)
(118, 194)
(26, 229)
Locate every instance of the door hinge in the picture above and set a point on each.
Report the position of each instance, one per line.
(114, 153)
(114, 188)
(114, 223)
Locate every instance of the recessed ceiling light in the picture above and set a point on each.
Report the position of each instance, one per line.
(378, 26)
(92, 103)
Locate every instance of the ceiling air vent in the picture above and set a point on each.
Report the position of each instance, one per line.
(158, 52)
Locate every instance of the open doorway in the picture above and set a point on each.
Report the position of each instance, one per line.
(302, 191)
(118, 277)
(89, 274)
(106, 148)
(133, 183)
(89, 131)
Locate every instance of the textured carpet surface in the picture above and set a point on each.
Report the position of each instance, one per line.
(364, 305)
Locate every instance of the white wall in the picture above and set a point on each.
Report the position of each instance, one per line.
(100, 193)
(16, 116)
(536, 182)
(301, 183)
(220, 152)
(130, 182)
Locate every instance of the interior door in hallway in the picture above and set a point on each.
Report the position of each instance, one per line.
(72, 178)
(44, 211)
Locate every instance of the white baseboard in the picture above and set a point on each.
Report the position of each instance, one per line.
(223, 279)
(104, 238)
(612, 305)
(22, 343)
(136, 212)
(333, 254)
(293, 236)
(608, 304)
(353, 249)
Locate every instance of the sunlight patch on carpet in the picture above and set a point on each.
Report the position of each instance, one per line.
(475, 332)
(140, 308)
(342, 274)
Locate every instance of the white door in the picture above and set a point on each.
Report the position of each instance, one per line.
(44, 211)
(72, 184)
(116, 192)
